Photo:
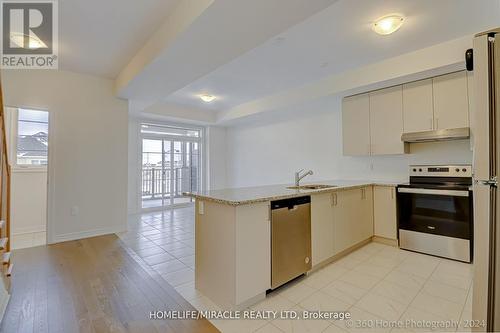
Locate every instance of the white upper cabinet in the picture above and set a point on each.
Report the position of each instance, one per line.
(372, 123)
(386, 121)
(451, 103)
(356, 125)
(418, 111)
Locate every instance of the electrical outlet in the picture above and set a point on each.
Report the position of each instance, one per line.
(75, 211)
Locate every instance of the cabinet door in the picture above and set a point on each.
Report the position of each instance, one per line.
(322, 227)
(386, 121)
(365, 211)
(356, 125)
(353, 218)
(384, 211)
(451, 104)
(343, 220)
(417, 106)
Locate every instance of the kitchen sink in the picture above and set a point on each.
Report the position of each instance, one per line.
(311, 187)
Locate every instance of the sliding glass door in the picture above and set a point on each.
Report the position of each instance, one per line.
(170, 165)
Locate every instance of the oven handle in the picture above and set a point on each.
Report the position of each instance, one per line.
(453, 193)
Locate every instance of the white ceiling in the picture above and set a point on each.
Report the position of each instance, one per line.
(100, 37)
(242, 50)
(207, 38)
(335, 40)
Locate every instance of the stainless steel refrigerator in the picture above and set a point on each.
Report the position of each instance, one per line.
(485, 124)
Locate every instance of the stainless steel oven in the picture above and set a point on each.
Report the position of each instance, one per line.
(435, 211)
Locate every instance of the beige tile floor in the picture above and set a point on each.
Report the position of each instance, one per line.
(377, 282)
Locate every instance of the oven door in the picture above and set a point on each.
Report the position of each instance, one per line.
(435, 211)
(436, 222)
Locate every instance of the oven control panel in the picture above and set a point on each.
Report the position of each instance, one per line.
(441, 170)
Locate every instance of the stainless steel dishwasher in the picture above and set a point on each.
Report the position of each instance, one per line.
(290, 239)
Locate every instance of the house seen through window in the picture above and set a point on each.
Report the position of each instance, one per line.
(32, 137)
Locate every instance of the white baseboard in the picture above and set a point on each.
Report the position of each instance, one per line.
(86, 234)
(27, 230)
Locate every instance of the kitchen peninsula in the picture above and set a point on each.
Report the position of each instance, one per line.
(233, 232)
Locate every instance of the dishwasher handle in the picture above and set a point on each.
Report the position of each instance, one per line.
(290, 203)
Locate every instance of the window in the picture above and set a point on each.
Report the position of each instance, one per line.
(169, 130)
(32, 137)
(170, 164)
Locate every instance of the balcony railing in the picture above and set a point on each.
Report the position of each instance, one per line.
(157, 182)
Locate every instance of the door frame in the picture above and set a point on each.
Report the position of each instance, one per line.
(202, 162)
(12, 155)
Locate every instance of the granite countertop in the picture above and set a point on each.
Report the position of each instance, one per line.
(248, 195)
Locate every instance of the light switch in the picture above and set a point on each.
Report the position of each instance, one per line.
(75, 211)
(201, 208)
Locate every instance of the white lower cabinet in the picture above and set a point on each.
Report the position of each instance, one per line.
(322, 227)
(384, 212)
(353, 217)
(342, 219)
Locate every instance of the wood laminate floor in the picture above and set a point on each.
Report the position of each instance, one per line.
(91, 285)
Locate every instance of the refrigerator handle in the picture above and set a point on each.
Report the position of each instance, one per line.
(493, 107)
(493, 303)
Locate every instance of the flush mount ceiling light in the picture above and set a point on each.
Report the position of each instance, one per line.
(388, 24)
(207, 98)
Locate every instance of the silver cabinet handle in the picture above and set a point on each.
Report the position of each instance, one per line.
(334, 199)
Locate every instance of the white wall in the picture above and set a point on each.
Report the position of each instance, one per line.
(269, 149)
(28, 201)
(216, 157)
(133, 165)
(88, 148)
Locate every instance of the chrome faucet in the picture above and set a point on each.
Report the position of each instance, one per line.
(298, 176)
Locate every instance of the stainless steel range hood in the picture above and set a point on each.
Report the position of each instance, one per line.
(437, 135)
